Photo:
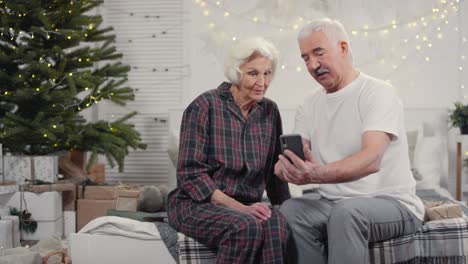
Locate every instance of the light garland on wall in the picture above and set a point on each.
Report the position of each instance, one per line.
(439, 14)
(425, 32)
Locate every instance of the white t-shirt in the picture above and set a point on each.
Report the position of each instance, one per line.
(334, 124)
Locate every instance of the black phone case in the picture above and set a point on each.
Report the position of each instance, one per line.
(293, 142)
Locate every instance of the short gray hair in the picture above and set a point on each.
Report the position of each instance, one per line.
(333, 29)
(243, 51)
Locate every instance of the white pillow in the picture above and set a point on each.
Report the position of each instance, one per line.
(430, 159)
(412, 137)
(173, 148)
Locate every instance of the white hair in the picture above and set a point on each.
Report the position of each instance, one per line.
(243, 51)
(333, 29)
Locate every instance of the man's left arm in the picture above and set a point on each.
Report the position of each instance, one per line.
(351, 168)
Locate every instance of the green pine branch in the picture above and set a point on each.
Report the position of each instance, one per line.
(55, 61)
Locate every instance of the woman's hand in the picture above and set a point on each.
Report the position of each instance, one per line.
(260, 210)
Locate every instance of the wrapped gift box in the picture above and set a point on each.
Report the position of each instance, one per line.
(97, 192)
(67, 189)
(88, 210)
(7, 187)
(45, 208)
(23, 168)
(127, 200)
(9, 231)
(97, 173)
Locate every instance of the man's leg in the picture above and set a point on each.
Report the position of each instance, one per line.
(355, 222)
(307, 218)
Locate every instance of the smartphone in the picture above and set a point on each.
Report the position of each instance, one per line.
(293, 142)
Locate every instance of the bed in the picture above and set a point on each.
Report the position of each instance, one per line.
(441, 241)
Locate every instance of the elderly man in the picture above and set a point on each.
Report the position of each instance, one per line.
(356, 149)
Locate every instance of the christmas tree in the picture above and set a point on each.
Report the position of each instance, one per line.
(56, 61)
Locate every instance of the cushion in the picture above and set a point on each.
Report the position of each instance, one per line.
(173, 148)
(430, 158)
(412, 137)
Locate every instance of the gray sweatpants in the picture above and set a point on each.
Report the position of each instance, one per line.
(343, 228)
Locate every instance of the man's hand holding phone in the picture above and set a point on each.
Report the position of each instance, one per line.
(296, 164)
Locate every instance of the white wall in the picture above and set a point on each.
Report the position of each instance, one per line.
(420, 83)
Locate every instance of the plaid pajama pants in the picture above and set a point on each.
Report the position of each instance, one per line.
(239, 238)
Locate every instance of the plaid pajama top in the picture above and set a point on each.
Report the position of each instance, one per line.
(219, 149)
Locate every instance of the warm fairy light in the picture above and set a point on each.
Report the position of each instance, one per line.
(255, 19)
(298, 68)
(206, 12)
(427, 59)
(69, 37)
(295, 26)
(54, 126)
(418, 47)
(283, 67)
(354, 32)
(440, 36)
(211, 25)
(45, 135)
(70, 74)
(460, 68)
(234, 38)
(38, 89)
(226, 14)
(79, 59)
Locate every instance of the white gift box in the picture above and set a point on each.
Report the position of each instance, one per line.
(22, 168)
(69, 223)
(6, 234)
(45, 208)
(87, 248)
(9, 231)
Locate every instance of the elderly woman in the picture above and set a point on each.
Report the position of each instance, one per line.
(228, 147)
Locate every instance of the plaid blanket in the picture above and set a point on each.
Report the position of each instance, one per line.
(437, 242)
